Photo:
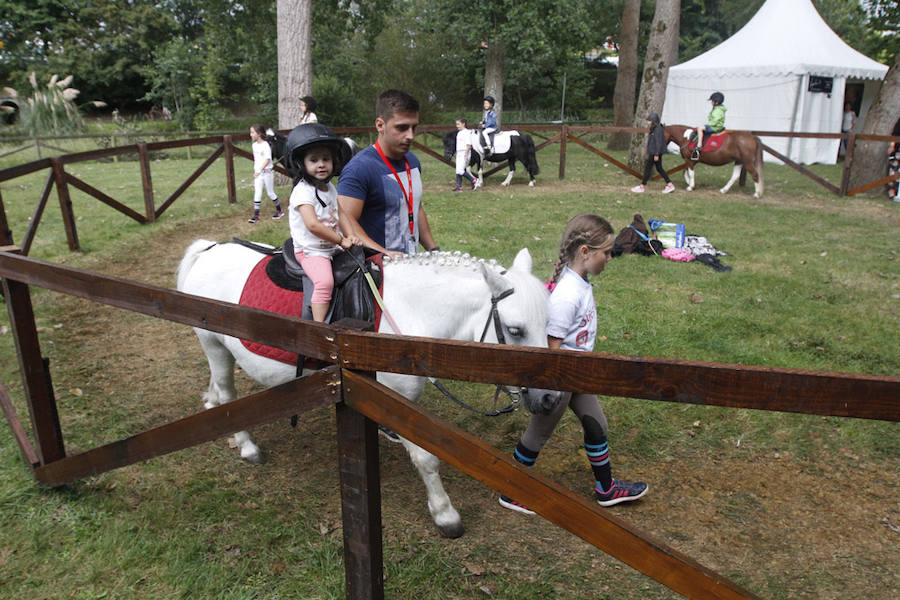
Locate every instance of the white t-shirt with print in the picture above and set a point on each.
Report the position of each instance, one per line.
(573, 313)
(262, 153)
(303, 238)
(464, 137)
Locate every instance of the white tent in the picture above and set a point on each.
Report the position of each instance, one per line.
(785, 70)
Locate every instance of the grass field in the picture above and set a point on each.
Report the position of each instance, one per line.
(788, 506)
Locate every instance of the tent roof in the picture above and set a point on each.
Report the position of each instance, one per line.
(783, 37)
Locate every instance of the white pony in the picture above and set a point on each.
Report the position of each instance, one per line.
(442, 295)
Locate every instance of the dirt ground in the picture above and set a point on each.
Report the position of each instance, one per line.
(782, 527)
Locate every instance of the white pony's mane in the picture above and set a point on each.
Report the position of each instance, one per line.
(445, 260)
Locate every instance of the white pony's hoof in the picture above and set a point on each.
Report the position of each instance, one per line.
(531, 183)
(689, 188)
(723, 190)
(504, 183)
(209, 405)
(251, 454)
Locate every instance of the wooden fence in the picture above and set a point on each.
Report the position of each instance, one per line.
(224, 146)
(361, 403)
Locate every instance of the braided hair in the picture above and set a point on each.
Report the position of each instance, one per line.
(587, 229)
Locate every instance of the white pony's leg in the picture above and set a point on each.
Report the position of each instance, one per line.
(221, 389)
(442, 511)
(689, 178)
(735, 173)
(441, 508)
(757, 191)
(508, 178)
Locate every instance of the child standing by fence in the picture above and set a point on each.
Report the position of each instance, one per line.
(656, 147)
(263, 175)
(465, 138)
(585, 250)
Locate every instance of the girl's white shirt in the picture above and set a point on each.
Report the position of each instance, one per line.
(303, 238)
(573, 313)
(261, 153)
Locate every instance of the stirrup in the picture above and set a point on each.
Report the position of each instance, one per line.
(695, 155)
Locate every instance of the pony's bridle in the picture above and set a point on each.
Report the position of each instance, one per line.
(493, 315)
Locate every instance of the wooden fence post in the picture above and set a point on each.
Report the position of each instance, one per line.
(35, 373)
(229, 169)
(848, 162)
(358, 458)
(6, 238)
(65, 202)
(146, 182)
(563, 138)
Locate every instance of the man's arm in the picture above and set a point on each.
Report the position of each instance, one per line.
(350, 210)
(425, 237)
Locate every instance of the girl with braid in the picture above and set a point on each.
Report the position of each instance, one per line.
(585, 250)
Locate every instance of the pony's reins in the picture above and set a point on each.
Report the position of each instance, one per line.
(493, 315)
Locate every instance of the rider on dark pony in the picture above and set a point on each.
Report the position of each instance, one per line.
(715, 122)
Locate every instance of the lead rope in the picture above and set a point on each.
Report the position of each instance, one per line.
(493, 315)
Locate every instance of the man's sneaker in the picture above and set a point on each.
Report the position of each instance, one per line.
(670, 187)
(390, 434)
(253, 219)
(476, 183)
(507, 502)
(638, 189)
(621, 491)
(278, 215)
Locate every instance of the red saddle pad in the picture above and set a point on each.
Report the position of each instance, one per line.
(260, 292)
(711, 143)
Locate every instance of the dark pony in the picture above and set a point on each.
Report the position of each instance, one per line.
(521, 148)
(740, 148)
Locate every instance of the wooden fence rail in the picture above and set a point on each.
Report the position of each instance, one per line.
(224, 146)
(867, 396)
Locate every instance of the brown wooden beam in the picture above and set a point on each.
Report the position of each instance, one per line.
(35, 371)
(12, 418)
(290, 333)
(109, 201)
(6, 237)
(694, 382)
(229, 170)
(621, 166)
(556, 504)
(873, 184)
(431, 153)
(280, 402)
(38, 213)
(821, 181)
(358, 463)
(191, 179)
(146, 184)
(65, 203)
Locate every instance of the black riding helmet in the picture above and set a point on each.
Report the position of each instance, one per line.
(302, 138)
(717, 97)
(490, 99)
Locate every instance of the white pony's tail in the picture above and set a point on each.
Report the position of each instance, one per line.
(190, 257)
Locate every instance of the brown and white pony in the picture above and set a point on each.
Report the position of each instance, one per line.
(742, 149)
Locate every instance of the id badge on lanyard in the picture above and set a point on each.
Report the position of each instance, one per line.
(411, 244)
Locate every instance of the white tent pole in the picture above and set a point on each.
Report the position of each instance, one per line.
(799, 105)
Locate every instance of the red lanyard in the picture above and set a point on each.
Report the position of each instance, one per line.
(409, 194)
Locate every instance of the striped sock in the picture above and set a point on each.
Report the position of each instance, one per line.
(524, 455)
(598, 455)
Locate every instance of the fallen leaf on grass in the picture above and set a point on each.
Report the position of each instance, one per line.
(76, 392)
(695, 298)
(473, 569)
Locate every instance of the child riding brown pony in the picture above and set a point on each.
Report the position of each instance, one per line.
(738, 147)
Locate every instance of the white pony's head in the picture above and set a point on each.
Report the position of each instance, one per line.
(523, 313)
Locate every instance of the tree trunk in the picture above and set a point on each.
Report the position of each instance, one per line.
(662, 53)
(626, 74)
(869, 157)
(294, 53)
(493, 75)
